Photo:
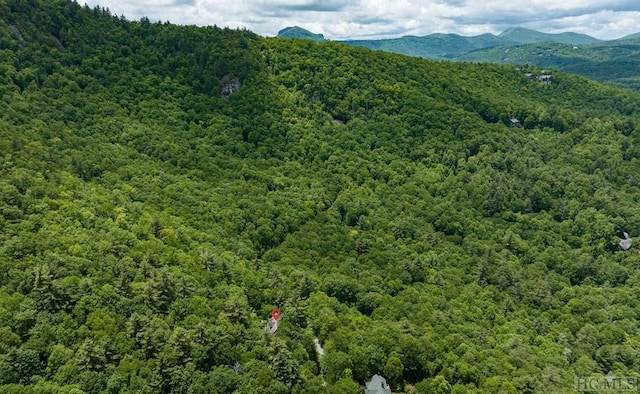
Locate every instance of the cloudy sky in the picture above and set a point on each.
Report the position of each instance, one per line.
(342, 19)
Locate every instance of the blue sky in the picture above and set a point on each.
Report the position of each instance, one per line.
(368, 19)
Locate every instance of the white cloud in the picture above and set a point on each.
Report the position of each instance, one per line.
(341, 19)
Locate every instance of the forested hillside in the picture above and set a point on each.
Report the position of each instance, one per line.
(614, 61)
(152, 215)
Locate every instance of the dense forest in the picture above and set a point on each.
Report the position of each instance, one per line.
(164, 187)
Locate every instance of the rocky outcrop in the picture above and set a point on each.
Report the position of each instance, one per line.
(230, 85)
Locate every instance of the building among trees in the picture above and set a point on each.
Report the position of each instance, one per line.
(377, 385)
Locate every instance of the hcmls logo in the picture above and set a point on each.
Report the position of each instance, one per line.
(609, 382)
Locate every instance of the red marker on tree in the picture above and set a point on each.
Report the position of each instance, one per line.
(272, 322)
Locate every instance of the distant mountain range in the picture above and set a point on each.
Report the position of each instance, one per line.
(615, 61)
(448, 46)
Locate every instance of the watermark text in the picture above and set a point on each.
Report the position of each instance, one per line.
(606, 383)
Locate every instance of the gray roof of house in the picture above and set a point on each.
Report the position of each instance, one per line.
(377, 385)
(625, 243)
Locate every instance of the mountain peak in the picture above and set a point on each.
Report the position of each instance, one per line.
(299, 32)
(633, 36)
(522, 35)
(518, 30)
